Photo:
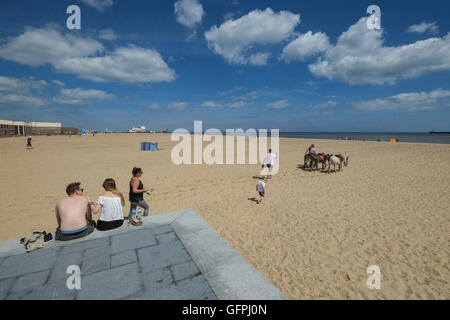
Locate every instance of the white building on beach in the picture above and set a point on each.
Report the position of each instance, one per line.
(140, 129)
(21, 128)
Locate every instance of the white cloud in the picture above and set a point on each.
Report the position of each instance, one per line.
(253, 94)
(100, 5)
(178, 105)
(234, 38)
(21, 92)
(59, 83)
(305, 45)
(238, 104)
(424, 27)
(107, 34)
(328, 104)
(234, 89)
(229, 16)
(325, 105)
(360, 57)
(259, 58)
(280, 104)
(14, 99)
(237, 97)
(412, 101)
(189, 13)
(125, 64)
(20, 85)
(153, 106)
(74, 54)
(40, 46)
(210, 104)
(224, 93)
(86, 94)
(81, 96)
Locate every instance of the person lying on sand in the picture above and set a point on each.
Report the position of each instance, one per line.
(74, 214)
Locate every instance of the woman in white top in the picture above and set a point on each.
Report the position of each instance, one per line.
(110, 202)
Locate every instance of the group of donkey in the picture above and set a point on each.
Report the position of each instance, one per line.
(312, 161)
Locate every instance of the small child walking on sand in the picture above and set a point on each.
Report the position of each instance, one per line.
(261, 188)
(29, 146)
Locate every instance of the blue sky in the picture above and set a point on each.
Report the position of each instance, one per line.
(288, 65)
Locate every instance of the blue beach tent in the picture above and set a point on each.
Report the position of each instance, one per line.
(149, 146)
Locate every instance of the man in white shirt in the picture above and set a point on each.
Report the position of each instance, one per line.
(261, 188)
(270, 161)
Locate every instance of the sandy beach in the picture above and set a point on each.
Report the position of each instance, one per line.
(313, 237)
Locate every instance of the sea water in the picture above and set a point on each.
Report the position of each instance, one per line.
(371, 136)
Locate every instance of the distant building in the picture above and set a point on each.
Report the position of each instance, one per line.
(140, 129)
(69, 130)
(24, 128)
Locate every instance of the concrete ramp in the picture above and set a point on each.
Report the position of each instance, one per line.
(172, 256)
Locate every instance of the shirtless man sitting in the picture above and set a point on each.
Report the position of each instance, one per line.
(74, 214)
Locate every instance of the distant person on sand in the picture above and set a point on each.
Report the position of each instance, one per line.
(136, 195)
(110, 202)
(261, 188)
(311, 149)
(270, 162)
(74, 214)
(29, 146)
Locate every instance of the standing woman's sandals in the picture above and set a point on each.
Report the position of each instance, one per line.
(134, 222)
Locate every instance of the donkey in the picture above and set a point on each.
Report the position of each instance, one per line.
(311, 161)
(337, 161)
(323, 159)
